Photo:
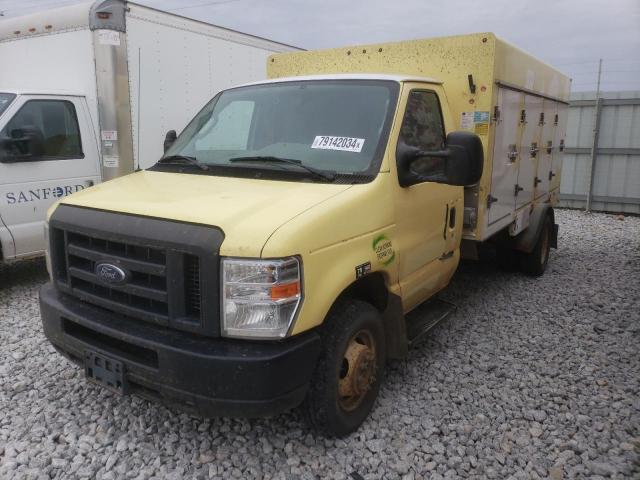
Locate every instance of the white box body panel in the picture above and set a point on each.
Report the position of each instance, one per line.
(558, 145)
(505, 157)
(522, 169)
(529, 145)
(546, 148)
(176, 65)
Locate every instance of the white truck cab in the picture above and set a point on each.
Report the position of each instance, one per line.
(48, 150)
(91, 91)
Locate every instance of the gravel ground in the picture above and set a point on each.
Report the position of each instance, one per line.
(531, 378)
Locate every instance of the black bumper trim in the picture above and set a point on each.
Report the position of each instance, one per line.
(206, 376)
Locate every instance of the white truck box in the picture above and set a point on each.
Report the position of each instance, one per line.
(99, 84)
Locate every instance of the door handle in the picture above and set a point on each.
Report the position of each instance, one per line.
(446, 256)
(89, 183)
(446, 218)
(452, 217)
(534, 150)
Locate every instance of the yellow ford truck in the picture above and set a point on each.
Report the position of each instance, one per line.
(271, 256)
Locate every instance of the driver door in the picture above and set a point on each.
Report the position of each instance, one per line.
(47, 151)
(429, 214)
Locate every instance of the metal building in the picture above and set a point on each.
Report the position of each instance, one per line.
(615, 152)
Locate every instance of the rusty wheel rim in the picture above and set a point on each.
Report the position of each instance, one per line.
(357, 372)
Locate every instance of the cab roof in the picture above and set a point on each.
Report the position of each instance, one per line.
(347, 76)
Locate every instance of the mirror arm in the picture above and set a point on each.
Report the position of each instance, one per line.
(434, 153)
(430, 178)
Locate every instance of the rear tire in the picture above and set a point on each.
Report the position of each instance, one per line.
(350, 369)
(535, 263)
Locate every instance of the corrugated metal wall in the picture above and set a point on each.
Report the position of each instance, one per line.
(616, 184)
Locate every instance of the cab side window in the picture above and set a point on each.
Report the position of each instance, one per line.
(42, 130)
(423, 129)
(422, 126)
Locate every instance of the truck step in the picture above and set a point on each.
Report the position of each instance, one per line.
(422, 319)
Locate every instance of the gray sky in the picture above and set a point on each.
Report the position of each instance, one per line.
(570, 34)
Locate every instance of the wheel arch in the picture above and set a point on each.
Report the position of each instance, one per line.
(526, 241)
(373, 289)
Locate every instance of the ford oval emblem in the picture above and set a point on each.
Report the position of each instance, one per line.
(111, 274)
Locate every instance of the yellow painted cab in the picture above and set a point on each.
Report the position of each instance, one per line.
(269, 258)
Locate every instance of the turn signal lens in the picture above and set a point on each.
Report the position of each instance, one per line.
(285, 291)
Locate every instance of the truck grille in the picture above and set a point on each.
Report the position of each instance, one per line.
(163, 283)
(192, 285)
(144, 296)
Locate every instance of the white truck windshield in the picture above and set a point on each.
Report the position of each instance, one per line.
(339, 126)
(5, 101)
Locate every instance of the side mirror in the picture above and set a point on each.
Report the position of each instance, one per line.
(459, 163)
(169, 138)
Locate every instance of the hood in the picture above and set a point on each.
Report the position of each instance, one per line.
(247, 210)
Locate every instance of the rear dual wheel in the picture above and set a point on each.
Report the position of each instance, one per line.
(535, 262)
(349, 371)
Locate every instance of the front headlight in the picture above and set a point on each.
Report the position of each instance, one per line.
(260, 298)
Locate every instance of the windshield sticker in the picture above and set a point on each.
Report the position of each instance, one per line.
(383, 249)
(345, 144)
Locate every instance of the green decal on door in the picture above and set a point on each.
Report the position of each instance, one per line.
(383, 249)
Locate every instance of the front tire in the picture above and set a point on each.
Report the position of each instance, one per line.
(350, 369)
(535, 263)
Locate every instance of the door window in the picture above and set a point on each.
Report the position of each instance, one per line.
(42, 130)
(423, 128)
(5, 101)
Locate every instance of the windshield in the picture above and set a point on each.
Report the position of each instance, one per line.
(339, 126)
(5, 101)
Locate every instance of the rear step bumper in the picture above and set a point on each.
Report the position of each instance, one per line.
(205, 376)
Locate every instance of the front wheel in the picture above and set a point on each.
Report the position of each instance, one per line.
(535, 262)
(349, 371)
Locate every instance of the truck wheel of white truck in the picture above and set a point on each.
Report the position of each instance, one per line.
(534, 263)
(350, 369)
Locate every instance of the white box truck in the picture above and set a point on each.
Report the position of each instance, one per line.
(88, 92)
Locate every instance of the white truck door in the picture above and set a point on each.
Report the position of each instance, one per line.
(47, 151)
